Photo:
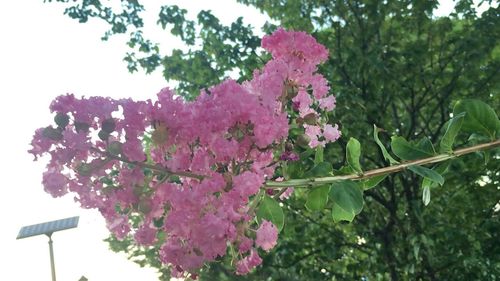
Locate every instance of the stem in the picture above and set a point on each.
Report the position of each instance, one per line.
(149, 166)
(256, 200)
(324, 180)
(380, 171)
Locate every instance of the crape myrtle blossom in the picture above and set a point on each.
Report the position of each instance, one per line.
(267, 234)
(190, 170)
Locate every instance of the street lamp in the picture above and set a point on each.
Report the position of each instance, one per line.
(48, 228)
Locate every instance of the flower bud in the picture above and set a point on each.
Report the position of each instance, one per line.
(108, 125)
(198, 252)
(84, 169)
(138, 190)
(228, 178)
(303, 140)
(115, 148)
(289, 156)
(53, 134)
(291, 90)
(311, 119)
(81, 127)
(61, 119)
(160, 135)
(144, 206)
(239, 135)
(103, 135)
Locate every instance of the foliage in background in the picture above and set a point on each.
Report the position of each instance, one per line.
(391, 64)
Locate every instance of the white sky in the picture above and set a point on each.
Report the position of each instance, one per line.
(44, 54)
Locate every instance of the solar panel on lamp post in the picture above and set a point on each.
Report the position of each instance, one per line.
(48, 228)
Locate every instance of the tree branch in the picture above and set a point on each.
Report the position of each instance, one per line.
(324, 180)
(381, 171)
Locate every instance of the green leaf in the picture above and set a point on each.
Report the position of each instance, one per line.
(308, 152)
(426, 195)
(353, 152)
(454, 125)
(427, 173)
(344, 170)
(270, 210)
(323, 169)
(479, 118)
(295, 169)
(317, 198)
(426, 145)
(340, 214)
(372, 182)
(385, 153)
(318, 157)
(347, 200)
(441, 168)
(408, 151)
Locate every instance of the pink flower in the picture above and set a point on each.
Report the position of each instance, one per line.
(288, 192)
(267, 234)
(303, 99)
(319, 85)
(331, 133)
(284, 43)
(145, 235)
(119, 226)
(285, 195)
(313, 132)
(248, 263)
(55, 183)
(63, 103)
(289, 156)
(40, 144)
(247, 183)
(132, 148)
(327, 103)
(315, 142)
(245, 244)
(201, 161)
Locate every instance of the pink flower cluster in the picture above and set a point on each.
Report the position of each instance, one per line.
(194, 167)
(295, 59)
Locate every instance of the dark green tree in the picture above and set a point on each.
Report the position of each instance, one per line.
(393, 64)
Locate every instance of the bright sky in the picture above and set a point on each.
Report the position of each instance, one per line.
(44, 54)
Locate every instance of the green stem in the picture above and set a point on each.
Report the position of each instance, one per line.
(380, 171)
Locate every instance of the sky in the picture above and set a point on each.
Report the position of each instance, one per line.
(43, 54)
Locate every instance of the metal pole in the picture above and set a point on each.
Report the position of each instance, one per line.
(52, 266)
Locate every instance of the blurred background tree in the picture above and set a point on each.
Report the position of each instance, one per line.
(393, 64)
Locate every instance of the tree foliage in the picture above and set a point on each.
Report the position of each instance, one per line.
(392, 64)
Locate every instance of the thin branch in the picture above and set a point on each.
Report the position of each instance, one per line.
(324, 180)
(381, 171)
(149, 166)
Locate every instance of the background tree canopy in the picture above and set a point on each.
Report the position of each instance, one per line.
(392, 64)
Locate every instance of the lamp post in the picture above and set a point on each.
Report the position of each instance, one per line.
(48, 228)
